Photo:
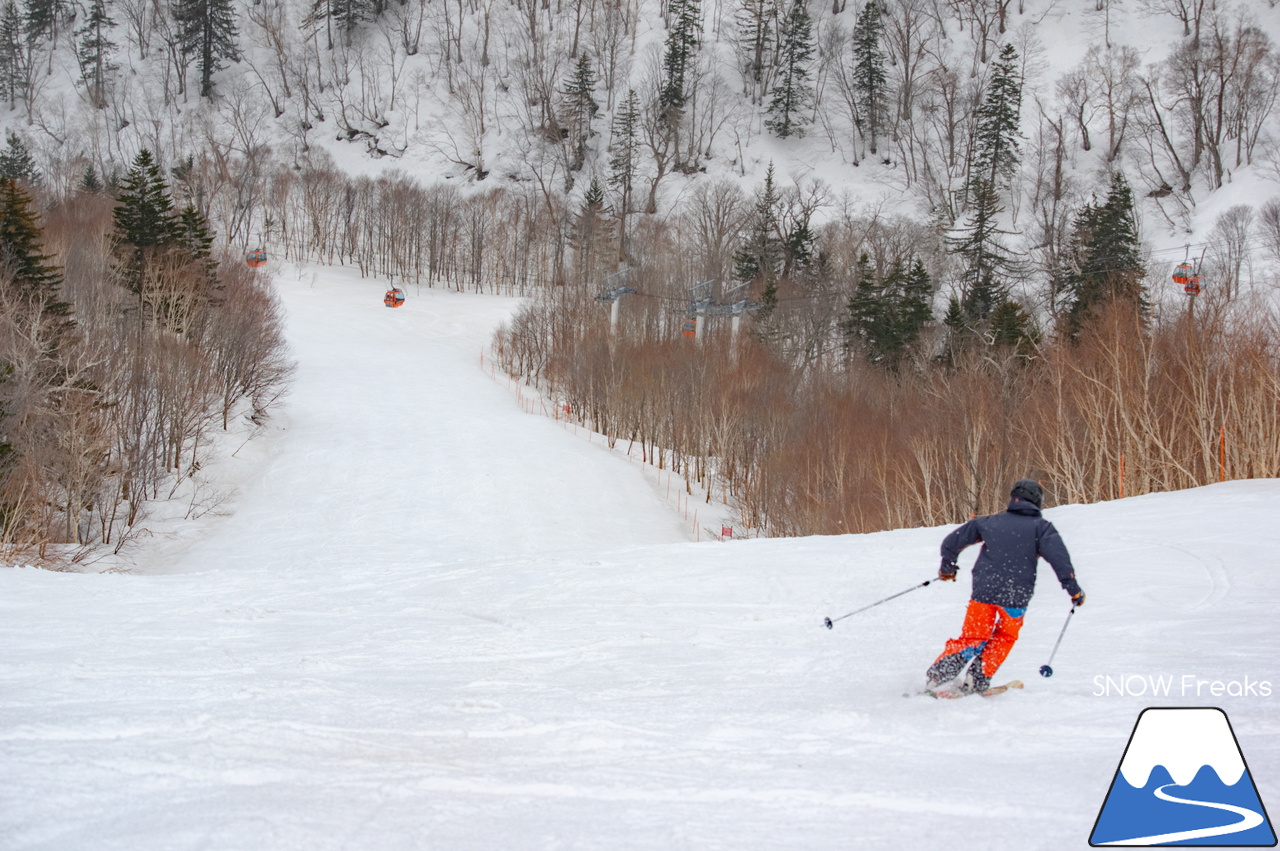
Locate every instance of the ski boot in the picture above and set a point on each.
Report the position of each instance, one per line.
(975, 681)
(944, 670)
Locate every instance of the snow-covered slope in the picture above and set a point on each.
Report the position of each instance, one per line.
(430, 620)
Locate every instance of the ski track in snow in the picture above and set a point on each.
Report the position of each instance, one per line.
(430, 620)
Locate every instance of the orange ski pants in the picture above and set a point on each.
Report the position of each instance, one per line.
(990, 630)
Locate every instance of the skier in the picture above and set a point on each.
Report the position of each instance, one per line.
(1004, 578)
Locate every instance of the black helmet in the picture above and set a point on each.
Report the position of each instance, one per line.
(1029, 490)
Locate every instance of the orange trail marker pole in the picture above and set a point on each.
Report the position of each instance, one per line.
(1222, 456)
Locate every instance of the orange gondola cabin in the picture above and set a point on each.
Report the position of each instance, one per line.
(394, 297)
(690, 328)
(1185, 274)
(256, 258)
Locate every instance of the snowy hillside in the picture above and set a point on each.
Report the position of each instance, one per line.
(481, 94)
(429, 619)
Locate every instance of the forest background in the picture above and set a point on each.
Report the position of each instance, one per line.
(919, 248)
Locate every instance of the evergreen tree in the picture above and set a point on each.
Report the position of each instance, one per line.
(16, 162)
(193, 242)
(592, 230)
(25, 273)
(90, 182)
(760, 257)
(869, 79)
(793, 92)
(28, 280)
(1012, 327)
(344, 15)
(166, 257)
(144, 217)
(684, 35)
(42, 20)
(191, 232)
(867, 317)
(957, 331)
(593, 198)
(44, 16)
(768, 303)
(207, 31)
(144, 220)
(996, 151)
(987, 262)
(1107, 264)
(13, 54)
(954, 317)
(580, 108)
(624, 146)
(799, 249)
(915, 302)
(758, 41)
(885, 316)
(94, 51)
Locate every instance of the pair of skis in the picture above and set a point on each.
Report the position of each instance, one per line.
(955, 694)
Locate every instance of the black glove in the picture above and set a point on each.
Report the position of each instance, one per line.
(1077, 599)
(947, 573)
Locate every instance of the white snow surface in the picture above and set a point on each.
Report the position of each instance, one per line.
(1183, 741)
(428, 619)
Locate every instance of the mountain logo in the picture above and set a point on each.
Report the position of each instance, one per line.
(1183, 781)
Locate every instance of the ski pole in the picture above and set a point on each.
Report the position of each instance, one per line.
(1045, 670)
(831, 622)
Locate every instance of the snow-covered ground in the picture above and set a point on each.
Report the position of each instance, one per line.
(431, 620)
